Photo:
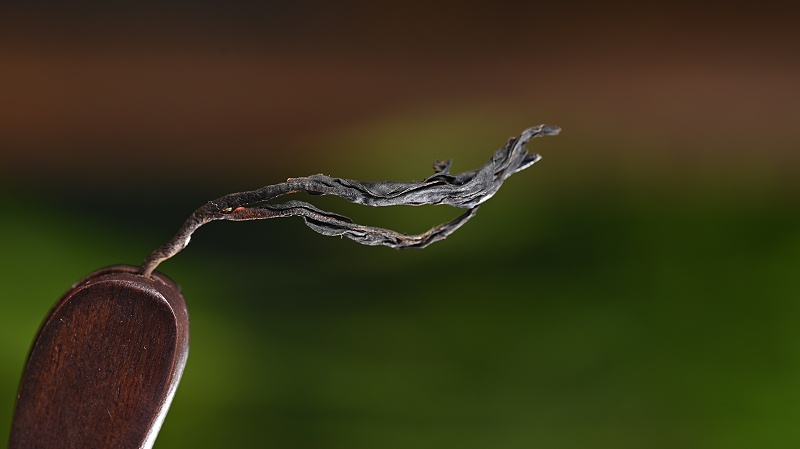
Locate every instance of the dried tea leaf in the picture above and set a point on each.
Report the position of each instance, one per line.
(465, 190)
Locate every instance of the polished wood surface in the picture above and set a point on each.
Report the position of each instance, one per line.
(105, 364)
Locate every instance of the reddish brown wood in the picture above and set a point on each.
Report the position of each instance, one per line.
(105, 364)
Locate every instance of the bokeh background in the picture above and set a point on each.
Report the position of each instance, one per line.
(638, 287)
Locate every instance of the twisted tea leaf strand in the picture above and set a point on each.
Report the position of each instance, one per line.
(465, 190)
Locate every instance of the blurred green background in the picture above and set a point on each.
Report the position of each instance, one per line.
(638, 287)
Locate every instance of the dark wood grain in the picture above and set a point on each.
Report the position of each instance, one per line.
(105, 364)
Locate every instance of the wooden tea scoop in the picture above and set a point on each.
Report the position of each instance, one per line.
(105, 364)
